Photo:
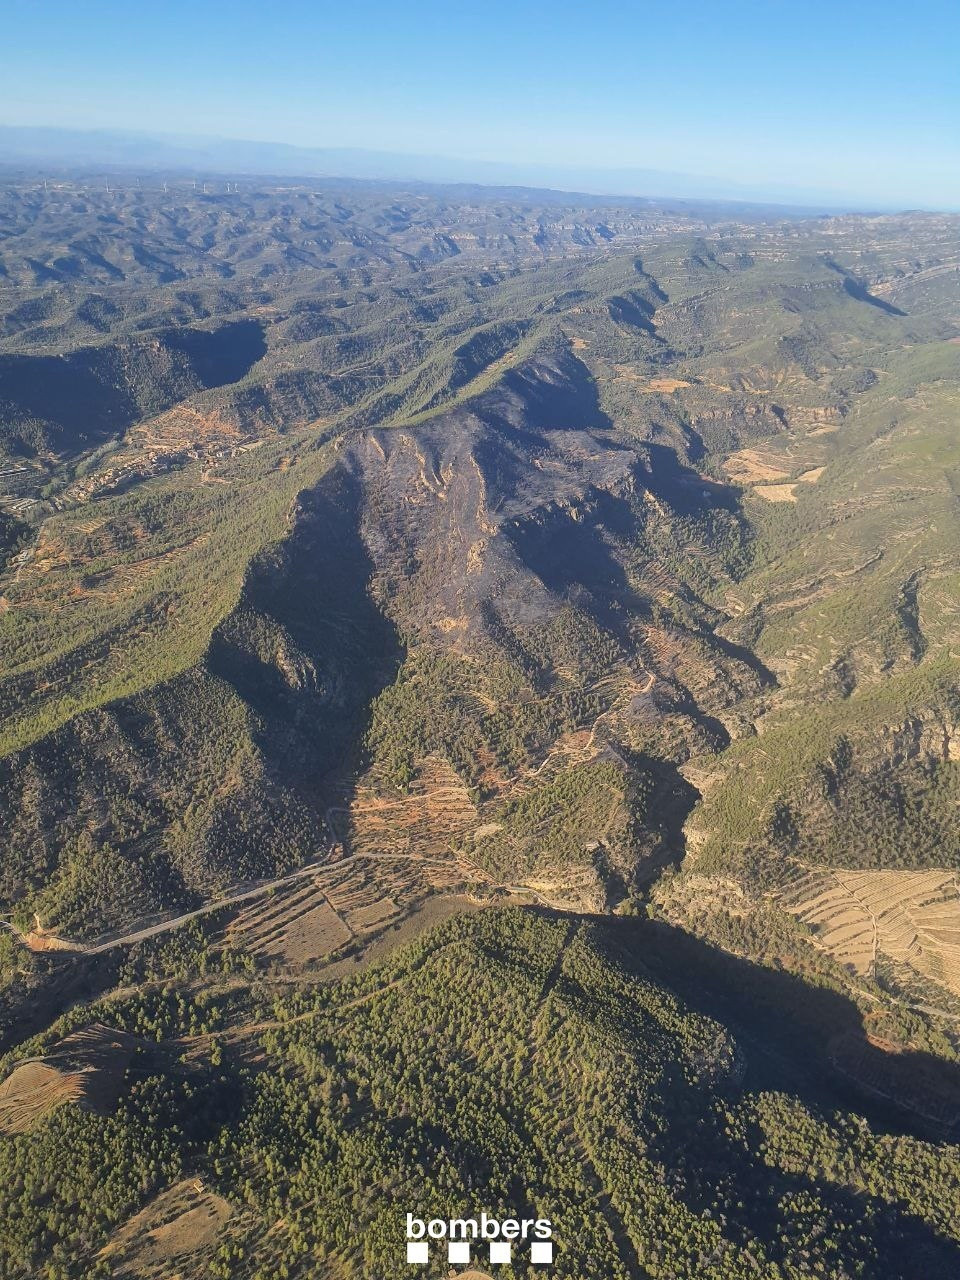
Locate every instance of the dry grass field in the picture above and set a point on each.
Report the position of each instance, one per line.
(32, 1091)
(776, 492)
(755, 466)
(767, 472)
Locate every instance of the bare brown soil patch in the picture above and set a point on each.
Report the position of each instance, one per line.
(32, 1092)
(777, 492)
(664, 386)
(40, 940)
(667, 384)
(182, 1221)
(50, 553)
(751, 466)
(427, 820)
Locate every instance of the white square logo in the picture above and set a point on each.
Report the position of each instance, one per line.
(499, 1251)
(458, 1251)
(418, 1251)
(541, 1251)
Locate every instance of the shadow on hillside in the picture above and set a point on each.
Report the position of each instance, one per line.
(809, 1043)
(59, 981)
(797, 1038)
(307, 648)
(77, 399)
(788, 1033)
(686, 490)
(554, 392)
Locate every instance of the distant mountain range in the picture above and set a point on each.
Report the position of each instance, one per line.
(61, 147)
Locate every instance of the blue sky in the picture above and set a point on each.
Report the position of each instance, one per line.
(861, 99)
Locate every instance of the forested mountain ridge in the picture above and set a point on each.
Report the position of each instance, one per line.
(556, 1074)
(484, 549)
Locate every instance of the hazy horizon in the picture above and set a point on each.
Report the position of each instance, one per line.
(846, 105)
(56, 148)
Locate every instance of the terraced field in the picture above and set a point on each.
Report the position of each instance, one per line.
(87, 1067)
(911, 917)
(355, 899)
(433, 814)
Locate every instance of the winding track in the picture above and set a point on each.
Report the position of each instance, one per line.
(244, 895)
